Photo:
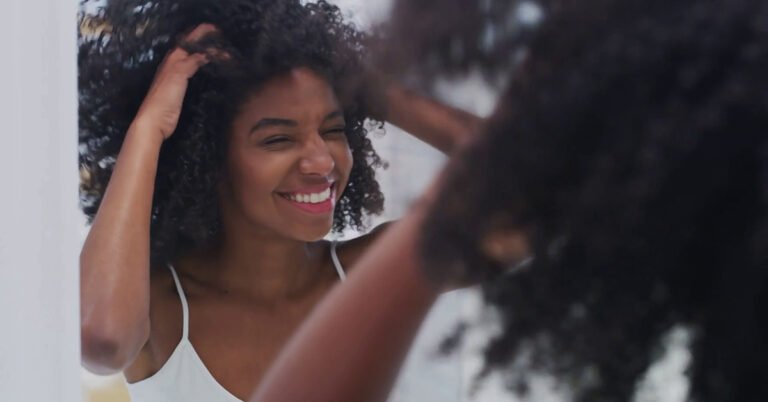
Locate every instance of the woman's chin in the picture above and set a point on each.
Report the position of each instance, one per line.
(313, 234)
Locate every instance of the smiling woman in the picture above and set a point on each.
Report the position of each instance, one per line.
(221, 140)
(287, 149)
(116, 71)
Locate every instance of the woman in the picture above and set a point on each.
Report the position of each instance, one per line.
(629, 159)
(214, 170)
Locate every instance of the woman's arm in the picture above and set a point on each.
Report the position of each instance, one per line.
(352, 346)
(114, 261)
(441, 126)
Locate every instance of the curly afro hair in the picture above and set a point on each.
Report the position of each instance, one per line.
(121, 46)
(633, 144)
(465, 36)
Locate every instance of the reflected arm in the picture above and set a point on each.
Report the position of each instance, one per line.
(114, 261)
(444, 127)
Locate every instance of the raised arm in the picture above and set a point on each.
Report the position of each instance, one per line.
(439, 125)
(115, 259)
(352, 346)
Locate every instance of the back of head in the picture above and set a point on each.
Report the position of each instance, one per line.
(632, 148)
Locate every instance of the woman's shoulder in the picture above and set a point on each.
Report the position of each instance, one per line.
(166, 324)
(349, 251)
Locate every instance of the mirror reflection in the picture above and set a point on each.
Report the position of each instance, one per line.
(610, 209)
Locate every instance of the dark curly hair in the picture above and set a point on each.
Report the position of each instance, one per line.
(465, 36)
(121, 46)
(633, 145)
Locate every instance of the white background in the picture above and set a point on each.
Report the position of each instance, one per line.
(39, 347)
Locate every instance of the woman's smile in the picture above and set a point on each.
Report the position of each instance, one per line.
(289, 159)
(317, 199)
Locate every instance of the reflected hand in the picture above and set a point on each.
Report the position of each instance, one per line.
(161, 107)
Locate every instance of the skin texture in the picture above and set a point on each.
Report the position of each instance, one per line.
(251, 286)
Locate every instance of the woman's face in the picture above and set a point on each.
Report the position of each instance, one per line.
(288, 161)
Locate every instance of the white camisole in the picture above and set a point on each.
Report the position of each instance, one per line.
(184, 377)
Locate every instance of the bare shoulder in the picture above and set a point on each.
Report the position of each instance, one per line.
(165, 316)
(350, 251)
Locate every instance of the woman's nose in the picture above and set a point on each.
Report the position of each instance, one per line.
(316, 158)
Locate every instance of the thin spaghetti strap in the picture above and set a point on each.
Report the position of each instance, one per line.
(184, 308)
(336, 262)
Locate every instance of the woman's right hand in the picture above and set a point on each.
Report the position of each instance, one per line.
(160, 110)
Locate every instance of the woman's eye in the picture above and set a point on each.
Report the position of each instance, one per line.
(276, 140)
(335, 131)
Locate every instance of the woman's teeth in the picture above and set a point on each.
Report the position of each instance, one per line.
(314, 198)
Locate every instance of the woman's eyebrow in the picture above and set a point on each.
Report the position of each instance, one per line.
(277, 122)
(272, 122)
(333, 115)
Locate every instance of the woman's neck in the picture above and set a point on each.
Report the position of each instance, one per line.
(268, 268)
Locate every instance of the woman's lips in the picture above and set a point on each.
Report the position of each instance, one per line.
(313, 200)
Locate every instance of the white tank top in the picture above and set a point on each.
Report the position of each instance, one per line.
(184, 377)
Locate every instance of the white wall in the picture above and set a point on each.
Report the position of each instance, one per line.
(39, 347)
